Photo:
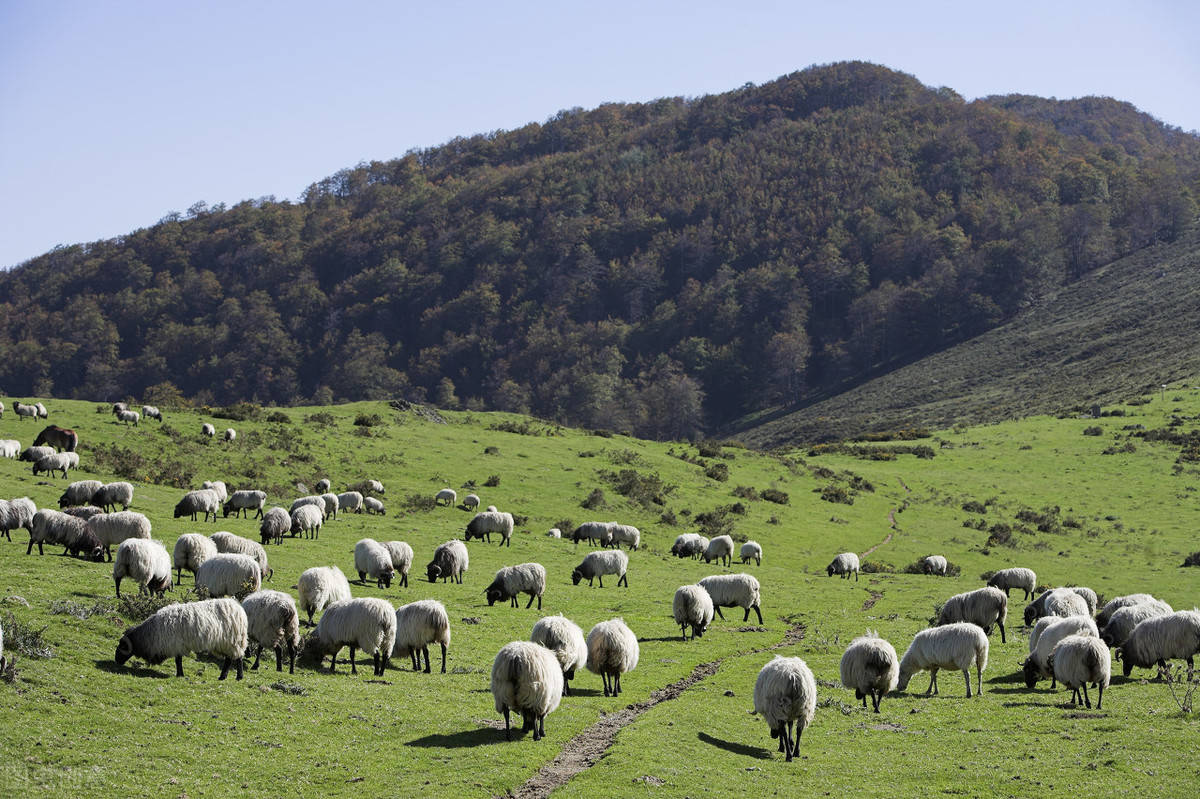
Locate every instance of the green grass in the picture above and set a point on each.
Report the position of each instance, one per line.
(77, 723)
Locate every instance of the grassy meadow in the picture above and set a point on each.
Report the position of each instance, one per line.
(1119, 522)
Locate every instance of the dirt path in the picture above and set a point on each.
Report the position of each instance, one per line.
(891, 520)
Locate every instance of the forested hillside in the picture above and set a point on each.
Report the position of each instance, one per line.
(655, 268)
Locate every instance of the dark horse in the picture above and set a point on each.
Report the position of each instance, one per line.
(58, 437)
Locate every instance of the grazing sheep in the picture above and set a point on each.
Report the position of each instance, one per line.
(110, 495)
(321, 586)
(471, 502)
(313, 499)
(734, 590)
(331, 505)
(372, 559)
(22, 410)
(692, 607)
(79, 493)
(612, 651)
(719, 549)
(526, 578)
(350, 501)
(1078, 660)
(307, 519)
(8, 519)
(626, 534)
(484, 524)
(935, 565)
(1122, 623)
(126, 417)
(84, 512)
(152, 412)
(15, 514)
(1089, 596)
(373, 506)
(449, 562)
(41, 410)
(785, 694)
(447, 496)
(323, 485)
(144, 561)
(366, 623)
(192, 549)
(419, 624)
(1115, 604)
(58, 462)
(229, 543)
(218, 486)
(1046, 634)
(491, 509)
(9, 448)
(113, 528)
(58, 437)
(241, 502)
(72, 459)
(272, 621)
(52, 527)
(751, 550)
(207, 429)
(1006, 579)
(275, 523)
(526, 678)
(1163, 638)
(554, 532)
(983, 607)
(959, 645)
(1056, 602)
(599, 563)
(35, 454)
(870, 666)
(213, 626)
(205, 501)
(564, 638)
(119, 406)
(373, 485)
(229, 574)
(687, 545)
(230, 434)
(844, 564)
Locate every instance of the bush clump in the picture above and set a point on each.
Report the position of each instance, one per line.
(774, 495)
(645, 489)
(368, 420)
(1093, 430)
(1192, 559)
(279, 417)
(594, 500)
(877, 567)
(718, 472)
(835, 493)
(320, 419)
(239, 412)
(745, 492)
(974, 506)
(492, 481)
(419, 502)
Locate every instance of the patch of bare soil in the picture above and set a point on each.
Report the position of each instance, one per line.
(875, 597)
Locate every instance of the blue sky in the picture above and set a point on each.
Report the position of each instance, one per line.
(113, 114)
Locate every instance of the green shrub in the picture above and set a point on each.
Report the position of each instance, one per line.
(1192, 559)
(974, 506)
(1094, 430)
(368, 420)
(668, 518)
(645, 489)
(774, 495)
(595, 500)
(320, 419)
(745, 492)
(239, 412)
(877, 567)
(418, 502)
(718, 472)
(279, 417)
(834, 493)
(24, 638)
(492, 481)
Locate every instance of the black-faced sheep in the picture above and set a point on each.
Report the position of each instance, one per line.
(734, 590)
(953, 646)
(1163, 638)
(144, 561)
(1122, 623)
(449, 562)
(79, 493)
(191, 549)
(1046, 634)
(692, 607)
(273, 622)
(844, 564)
(484, 524)
(213, 626)
(719, 549)
(612, 651)
(1056, 602)
(526, 678)
(204, 501)
(525, 578)
(419, 624)
(373, 560)
(366, 623)
(229, 574)
(242, 502)
(307, 519)
(564, 638)
(274, 524)
(1078, 660)
(935, 565)
(983, 607)
(785, 694)
(321, 586)
(228, 542)
(402, 557)
(113, 528)
(597, 564)
(447, 496)
(870, 667)
(110, 495)
(751, 550)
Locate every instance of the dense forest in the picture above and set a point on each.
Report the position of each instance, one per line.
(659, 268)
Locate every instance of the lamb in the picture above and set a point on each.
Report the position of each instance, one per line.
(1046, 634)
(1056, 602)
(275, 523)
(1163, 638)
(402, 557)
(205, 501)
(113, 528)
(1078, 660)
(564, 638)
(449, 562)
(1006, 579)
(58, 437)
(527, 578)
(870, 666)
(35, 454)
(959, 645)
(471, 502)
(983, 606)
(601, 562)
(1115, 604)
(446, 496)
(241, 502)
(373, 506)
(350, 501)
(191, 550)
(323, 485)
(371, 558)
(596, 533)
(144, 561)
(785, 693)
(719, 549)
(734, 590)
(935, 565)
(272, 621)
(626, 534)
(367, 623)
(218, 486)
(1089, 596)
(230, 434)
(58, 462)
(52, 527)
(9, 447)
(215, 626)
(526, 678)
(1122, 623)
(79, 493)
(229, 574)
(207, 429)
(749, 550)
(307, 519)
(484, 524)
(692, 607)
(321, 586)
(22, 410)
(687, 545)
(419, 624)
(110, 495)
(152, 412)
(129, 416)
(229, 543)
(612, 651)
(331, 505)
(844, 564)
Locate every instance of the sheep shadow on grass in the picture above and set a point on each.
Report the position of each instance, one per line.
(736, 748)
(467, 738)
(111, 667)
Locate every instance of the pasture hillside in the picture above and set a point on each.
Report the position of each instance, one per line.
(1114, 509)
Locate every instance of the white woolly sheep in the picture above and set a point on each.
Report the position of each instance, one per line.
(1163, 638)
(959, 646)
(983, 607)
(323, 485)
(152, 412)
(844, 564)
(449, 562)
(935, 565)
(372, 560)
(626, 534)
(373, 485)
(213, 626)
(785, 694)
(1018, 577)
(24, 411)
(275, 523)
(366, 623)
(1056, 602)
(307, 519)
(144, 561)
(599, 563)
(1089, 596)
(1116, 603)
(491, 509)
(447, 496)
(526, 678)
(41, 410)
(686, 545)
(228, 542)
(84, 512)
(242, 502)
(350, 501)
(751, 550)
(471, 502)
(564, 638)
(110, 495)
(58, 462)
(484, 524)
(419, 624)
(35, 454)
(218, 486)
(72, 459)
(272, 621)
(129, 416)
(870, 666)
(596, 533)
(612, 651)
(719, 549)
(692, 607)
(229, 574)
(402, 557)
(331, 505)
(113, 528)
(1078, 660)
(734, 590)
(9, 448)
(230, 434)
(1046, 634)
(312, 499)
(373, 506)
(525, 578)
(1122, 623)
(16, 514)
(204, 501)
(321, 586)
(52, 527)
(207, 429)
(192, 549)
(554, 532)
(79, 493)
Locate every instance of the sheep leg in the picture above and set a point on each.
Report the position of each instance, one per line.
(978, 680)
(1053, 682)
(1087, 700)
(600, 577)
(683, 631)
(623, 581)
(414, 655)
(404, 580)
(257, 657)
(758, 612)
(459, 578)
(967, 677)
(529, 604)
(291, 658)
(786, 740)
(225, 667)
(353, 665)
(717, 608)
(617, 691)
(425, 650)
(179, 665)
(1002, 638)
(877, 698)
(333, 659)
(1100, 698)
(117, 580)
(604, 678)
(507, 725)
(278, 657)
(932, 682)
(238, 664)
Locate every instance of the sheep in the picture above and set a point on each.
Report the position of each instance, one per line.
(8, 519)
(119, 406)
(350, 501)
(1115, 604)
(323, 485)
(22, 410)
(371, 485)
(371, 558)
(84, 512)
(526, 578)
(449, 562)
(554, 532)
(152, 412)
(110, 495)
(734, 590)
(17, 513)
(214, 626)
(1089, 596)
(751, 550)
(275, 523)
(1122, 623)
(205, 501)
(312, 499)
(447, 496)
(785, 693)
(144, 561)
(58, 437)
(79, 493)
(373, 506)
(959, 645)
(52, 527)
(366, 623)
(321, 586)
(207, 429)
(240, 502)
(113, 528)
(692, 607)
(491, 509)
(471, 502)
(191, 549)
(719, 549)
(126, 417)
(1006, 579)
(870, 666)
(612, 650)
(230, 434)
(626, 534)
(272, 621)
(686, 545)
(526, 678)
(35, 454)
(601, 562)
(58, 462)
(1163, 638)
(484, 524)
(218, 486)
(41, 410)
(1078, 660)
(983, 607)
(402, 557)
(1046, 634)
(72, 459)
(564, 638)
(9, 448)
(935, 565)
(331, 504)
(844, 564)
(229, 543)
(419, 624)
(307, 519)
(1056, 602)
(229, 574)
(594, 533)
